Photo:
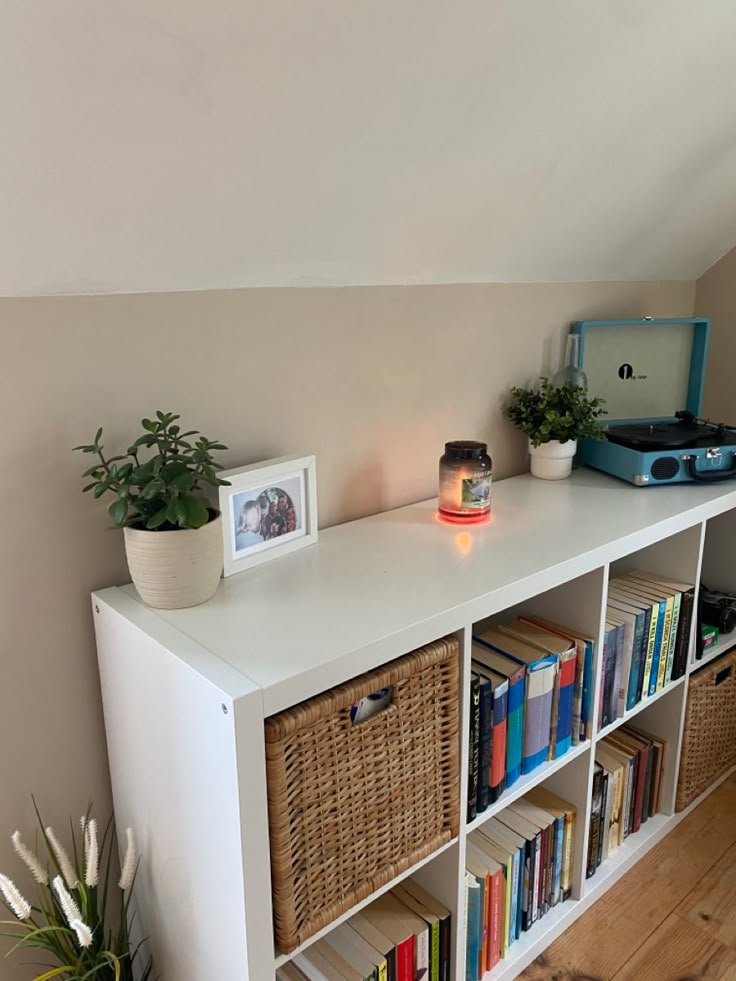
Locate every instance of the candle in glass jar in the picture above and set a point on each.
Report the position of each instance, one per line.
(465, 482)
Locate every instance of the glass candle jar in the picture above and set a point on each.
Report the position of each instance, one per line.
(465, 482)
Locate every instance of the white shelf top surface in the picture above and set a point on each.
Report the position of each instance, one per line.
(376, 588)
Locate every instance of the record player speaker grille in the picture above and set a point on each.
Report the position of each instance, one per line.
(665, 467)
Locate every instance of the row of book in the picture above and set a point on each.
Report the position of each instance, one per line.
(627, 787)
(530, 697)
(518, 867)
(646, 642)
(404, 935)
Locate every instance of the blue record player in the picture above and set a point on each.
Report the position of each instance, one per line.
(650, 372)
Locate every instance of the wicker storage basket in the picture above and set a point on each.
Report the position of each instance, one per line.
(353, 805)
(709, 737)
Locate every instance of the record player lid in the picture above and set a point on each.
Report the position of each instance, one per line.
(645, 369)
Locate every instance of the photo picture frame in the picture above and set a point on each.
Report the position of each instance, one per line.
(268, 510)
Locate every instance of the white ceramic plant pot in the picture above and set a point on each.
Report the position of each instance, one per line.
(553, 460)
(175, 569)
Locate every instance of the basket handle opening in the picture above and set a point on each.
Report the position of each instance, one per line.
(723, 675)
(371, 706)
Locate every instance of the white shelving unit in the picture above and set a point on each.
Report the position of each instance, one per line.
(186, 692)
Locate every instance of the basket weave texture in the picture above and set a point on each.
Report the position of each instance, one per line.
(709, 736)
(352, 806)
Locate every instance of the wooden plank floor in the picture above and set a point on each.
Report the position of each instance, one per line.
(671, 918)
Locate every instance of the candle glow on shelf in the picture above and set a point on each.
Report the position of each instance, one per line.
(465, 483)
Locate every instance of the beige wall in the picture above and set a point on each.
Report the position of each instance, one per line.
(715, 297)
(372, 380)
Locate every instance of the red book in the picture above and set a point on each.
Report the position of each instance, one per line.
(386, 914)
(494, 927)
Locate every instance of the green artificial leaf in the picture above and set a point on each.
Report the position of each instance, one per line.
(197, 513)
(183, 481)
(118, 511)
(171, 471)
(180, 509)
(171, 515)
(151, 490)
(157, 519)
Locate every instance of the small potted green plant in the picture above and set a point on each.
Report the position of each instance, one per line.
(554, 418)
(173, 535)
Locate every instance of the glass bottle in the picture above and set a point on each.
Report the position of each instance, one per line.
(571, 373)
(466, 472)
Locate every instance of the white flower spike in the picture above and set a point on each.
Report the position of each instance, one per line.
(92, 869)
(38, 872)
(65, 863)
(14, 898)
(131, 860)
(66, 901)
(83, 932)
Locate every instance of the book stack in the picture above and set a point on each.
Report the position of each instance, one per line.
(403, 935)
(518, 867)
(646, 640)
(530, 702)
(627, 787)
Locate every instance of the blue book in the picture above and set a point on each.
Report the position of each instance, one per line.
(516, 674)
(541, 677)
(586, 715)
(638, 653)
(553, 639)
(473, 925)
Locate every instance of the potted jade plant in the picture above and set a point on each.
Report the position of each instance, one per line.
(554, 418)
(173, 535)
(76, 919)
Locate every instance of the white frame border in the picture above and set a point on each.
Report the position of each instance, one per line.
(255, 475)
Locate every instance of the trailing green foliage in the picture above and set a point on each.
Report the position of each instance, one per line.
(81, 926)
(163, 491)
(547, 412)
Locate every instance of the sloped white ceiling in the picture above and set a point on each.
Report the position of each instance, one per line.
(187, 144)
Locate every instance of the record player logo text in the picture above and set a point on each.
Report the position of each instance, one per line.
(626, 373)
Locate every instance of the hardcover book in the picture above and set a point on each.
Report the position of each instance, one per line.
(540, 683)
(584, 665)
(564, 647)
(515, 674)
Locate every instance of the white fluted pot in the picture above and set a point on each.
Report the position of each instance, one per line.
(553, 460)
(175, 569)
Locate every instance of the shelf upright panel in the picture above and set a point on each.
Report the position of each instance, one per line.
(457, 874)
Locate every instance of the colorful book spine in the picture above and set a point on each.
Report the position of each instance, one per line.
(586, 727)
(654, 673)
(617, 692)
(632, 691)
(473, 914)
(577, 696)
(498, 751)
(568, 664)
(665, 642)
(607, 698)
(474, 747)
(671, 647)
(515, 727)
(651, 641)
(682, 649)
(485, 727)
(595, 822)
(498, 886)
